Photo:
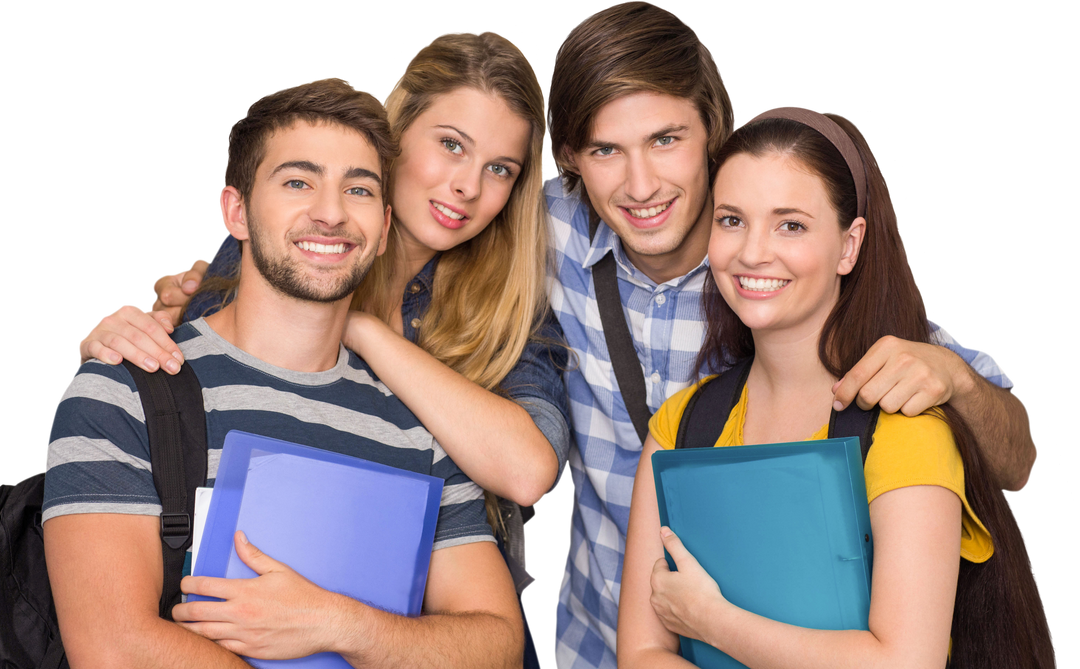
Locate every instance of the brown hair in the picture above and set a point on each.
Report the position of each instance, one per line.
(998, 619)
(325, 101)
(631, 48)
(489, 292)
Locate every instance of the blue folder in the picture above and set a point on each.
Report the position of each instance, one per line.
(784, 529)
(355, 527)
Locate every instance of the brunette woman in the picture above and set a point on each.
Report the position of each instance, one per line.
(808, 271)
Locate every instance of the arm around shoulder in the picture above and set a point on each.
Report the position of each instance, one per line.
(982, 394)
(1000, 423)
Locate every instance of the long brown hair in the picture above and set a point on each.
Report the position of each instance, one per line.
(998, 619)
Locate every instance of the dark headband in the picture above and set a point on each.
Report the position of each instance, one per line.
(836, 135)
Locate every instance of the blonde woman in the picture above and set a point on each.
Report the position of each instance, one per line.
(453, 317)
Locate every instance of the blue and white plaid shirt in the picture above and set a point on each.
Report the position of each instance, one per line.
(666, 326)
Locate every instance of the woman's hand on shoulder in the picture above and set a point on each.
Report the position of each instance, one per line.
(141, 338)
(175, 290)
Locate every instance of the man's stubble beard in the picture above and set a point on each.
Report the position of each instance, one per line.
(286, 277)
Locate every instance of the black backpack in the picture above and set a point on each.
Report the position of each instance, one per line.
(708, 410)
(176, 423)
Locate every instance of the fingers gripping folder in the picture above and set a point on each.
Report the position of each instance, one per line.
(784, 529)
(355, 527)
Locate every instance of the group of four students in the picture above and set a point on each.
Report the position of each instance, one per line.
(777, 241)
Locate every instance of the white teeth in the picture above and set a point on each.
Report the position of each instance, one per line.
(450, 213)
(650, 212)
(762, 285)
(322, 248)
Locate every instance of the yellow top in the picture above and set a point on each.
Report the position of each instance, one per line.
(907, 451)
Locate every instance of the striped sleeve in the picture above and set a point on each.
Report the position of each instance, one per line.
(462, 515)
(99, 452)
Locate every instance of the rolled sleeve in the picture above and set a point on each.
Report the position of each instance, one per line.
(982, 363)
(536, 383)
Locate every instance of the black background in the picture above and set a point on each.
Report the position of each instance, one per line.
(139, 116)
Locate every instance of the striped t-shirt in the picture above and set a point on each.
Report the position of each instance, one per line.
(99, 452)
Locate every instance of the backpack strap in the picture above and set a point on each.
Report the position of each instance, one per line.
(855, 422)
(707, 412)
(620, 345)
(176, 425)
(714, 401)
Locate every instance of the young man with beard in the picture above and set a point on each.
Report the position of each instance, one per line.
(304, 195)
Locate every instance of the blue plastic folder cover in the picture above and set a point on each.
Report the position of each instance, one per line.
(784, 529)
(355, 527)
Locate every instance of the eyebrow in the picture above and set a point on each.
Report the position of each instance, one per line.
(308, 166)
(779, 211)
(662, 132)
(472, 142)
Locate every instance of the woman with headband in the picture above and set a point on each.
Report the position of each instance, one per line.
(808, 271)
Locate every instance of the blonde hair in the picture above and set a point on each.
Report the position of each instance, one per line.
(489, 292)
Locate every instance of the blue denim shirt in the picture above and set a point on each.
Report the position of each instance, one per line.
(535, 382)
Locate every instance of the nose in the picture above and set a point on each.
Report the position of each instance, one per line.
(465, 182)
(328, 208)
(757, 247)
(642, 180)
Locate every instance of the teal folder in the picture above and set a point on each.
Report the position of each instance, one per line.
(784, 529)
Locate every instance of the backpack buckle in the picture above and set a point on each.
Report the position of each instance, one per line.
(175, 529)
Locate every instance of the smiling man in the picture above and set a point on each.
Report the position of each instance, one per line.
(304, 196)
(637, 113)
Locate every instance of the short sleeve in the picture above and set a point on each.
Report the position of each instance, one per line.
(920, 450)
(462, 514)
(664, 424)
(225, 264)
(99, 451)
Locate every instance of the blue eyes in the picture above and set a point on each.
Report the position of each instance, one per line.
(666, 140)
(454, 146)
(300, 184)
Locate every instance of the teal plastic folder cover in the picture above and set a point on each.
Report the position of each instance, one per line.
(355, 527)
(784, 529)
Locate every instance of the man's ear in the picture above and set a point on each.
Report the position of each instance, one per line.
(853, 239)
(385, 232)
(570, 160)
(235, 213)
